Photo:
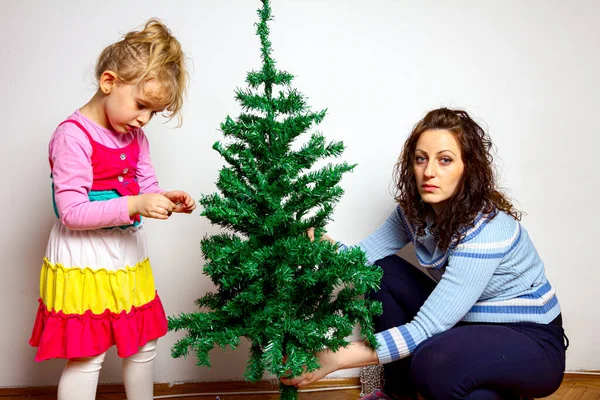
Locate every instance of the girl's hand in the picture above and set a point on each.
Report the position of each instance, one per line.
(310, 232)
(150, 205)
(184, 203)
(329, 363)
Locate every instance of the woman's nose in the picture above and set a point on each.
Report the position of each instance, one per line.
(430, 170)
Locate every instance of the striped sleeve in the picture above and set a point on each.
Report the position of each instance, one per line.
(388, 239)
(469, 270)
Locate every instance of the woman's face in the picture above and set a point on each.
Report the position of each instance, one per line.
(438, 166)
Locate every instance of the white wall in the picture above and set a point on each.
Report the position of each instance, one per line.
(527, 70)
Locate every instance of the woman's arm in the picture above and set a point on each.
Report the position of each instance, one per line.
(468, 273)
(356, 354)
(388, 239)
(470, 267)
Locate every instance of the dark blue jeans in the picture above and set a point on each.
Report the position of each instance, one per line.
(471, 360)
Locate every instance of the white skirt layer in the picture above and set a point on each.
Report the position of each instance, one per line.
(110, 249)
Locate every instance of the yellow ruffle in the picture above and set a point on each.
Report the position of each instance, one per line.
(77, 290)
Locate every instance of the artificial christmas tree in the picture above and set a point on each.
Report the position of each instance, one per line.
(288, 296)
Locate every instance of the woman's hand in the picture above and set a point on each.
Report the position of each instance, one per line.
(150, 205)
(357, 354)
(329, 363)
(184, 203)
(310, 232)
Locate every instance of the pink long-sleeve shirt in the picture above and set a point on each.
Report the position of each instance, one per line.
(70, 153)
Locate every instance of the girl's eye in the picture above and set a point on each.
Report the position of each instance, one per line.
(420, 159)
(445, 160)
(140, 106)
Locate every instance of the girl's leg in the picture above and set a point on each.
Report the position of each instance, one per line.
(490, 361)
(79, 379)
(138, 373)
(403, 291)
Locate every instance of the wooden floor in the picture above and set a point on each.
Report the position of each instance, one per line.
(574, 387)
(337, 395)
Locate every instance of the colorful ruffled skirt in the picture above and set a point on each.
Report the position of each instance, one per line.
(96, 291)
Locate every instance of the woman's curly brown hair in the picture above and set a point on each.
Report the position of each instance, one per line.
(476, 192)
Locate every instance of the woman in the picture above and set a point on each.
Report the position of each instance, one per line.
(484, 323)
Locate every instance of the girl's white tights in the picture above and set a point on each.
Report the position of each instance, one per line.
(79, 379)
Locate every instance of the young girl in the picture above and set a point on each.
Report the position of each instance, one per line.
(96, 285)
(485, 322)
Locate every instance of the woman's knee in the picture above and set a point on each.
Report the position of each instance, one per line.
(394, 268)
(455, 364)
(393, 263)
(432, 371)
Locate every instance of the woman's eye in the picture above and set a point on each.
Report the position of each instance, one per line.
(445, 160)
(420, 159)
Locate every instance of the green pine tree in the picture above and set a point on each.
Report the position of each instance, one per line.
(288, 296)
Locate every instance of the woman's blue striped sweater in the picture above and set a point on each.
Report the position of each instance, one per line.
(493, 275)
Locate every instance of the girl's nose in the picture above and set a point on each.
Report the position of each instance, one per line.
(144, 118)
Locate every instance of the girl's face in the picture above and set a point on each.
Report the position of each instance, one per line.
(438, 166)
(129, 107)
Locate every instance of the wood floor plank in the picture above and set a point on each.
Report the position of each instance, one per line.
(573, 387)
(30, 397)
(591, 394)
(113, 396)
(575, 393)
(562, 390)
(351, 394)
(588, 382)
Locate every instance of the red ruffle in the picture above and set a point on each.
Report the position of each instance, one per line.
(59, 335)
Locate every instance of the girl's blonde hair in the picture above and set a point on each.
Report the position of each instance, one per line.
(151, 53)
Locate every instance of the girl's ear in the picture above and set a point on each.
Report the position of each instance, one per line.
(108, 80)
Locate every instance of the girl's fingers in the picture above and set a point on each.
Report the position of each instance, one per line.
(162, 210)
(156, 215)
